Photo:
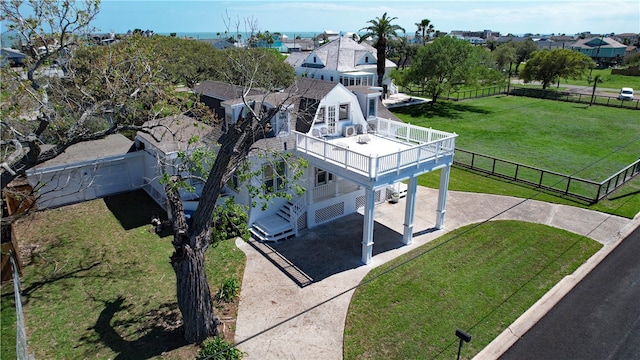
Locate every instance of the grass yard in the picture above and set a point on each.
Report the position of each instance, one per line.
(588, 142)
(623, 202)
(98, 283)
(614, 82)
(479, 279)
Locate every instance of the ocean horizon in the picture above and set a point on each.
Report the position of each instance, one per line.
(7, 38)
(215, 35)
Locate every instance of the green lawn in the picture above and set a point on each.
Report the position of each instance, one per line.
(623, 202)
(608, 81)
(573, 139)
(99, 283)
(478, 279)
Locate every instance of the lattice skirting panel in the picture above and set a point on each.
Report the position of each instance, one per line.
(329, 212)
(302, 221)
(361, 200)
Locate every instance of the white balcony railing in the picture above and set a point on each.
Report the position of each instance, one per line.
(415, 145)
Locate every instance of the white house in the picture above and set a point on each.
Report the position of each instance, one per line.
(345, 61)
(358, 154)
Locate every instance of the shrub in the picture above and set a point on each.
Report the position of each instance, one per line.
(216, 348)
(229, 290)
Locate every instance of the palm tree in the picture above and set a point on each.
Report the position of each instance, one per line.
(425, 27)
(381, 29)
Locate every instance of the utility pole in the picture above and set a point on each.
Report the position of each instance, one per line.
(593, 93)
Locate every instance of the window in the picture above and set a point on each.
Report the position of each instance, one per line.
(366, 59)
(332, 78)
(273, 176)
(320, 117)
(372, 107)
(282, 123)
(323, 177)
(321, 77)
(343, 113)
(314, 59)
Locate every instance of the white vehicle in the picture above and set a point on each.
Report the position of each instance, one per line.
(626, 94)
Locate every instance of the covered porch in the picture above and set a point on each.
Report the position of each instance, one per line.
(388, 153)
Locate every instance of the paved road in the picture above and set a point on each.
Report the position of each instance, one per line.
(598, 319)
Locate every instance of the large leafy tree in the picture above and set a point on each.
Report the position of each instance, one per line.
(548, 66)
(524, 50)
(108, 89)
(505, 55)
(444, 65)
(380, 30)
(187, 62)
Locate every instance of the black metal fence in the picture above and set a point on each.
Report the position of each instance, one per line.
(581, 189)
(610, 101)
(476, 93)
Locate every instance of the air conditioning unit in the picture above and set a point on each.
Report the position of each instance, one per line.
(348, 131)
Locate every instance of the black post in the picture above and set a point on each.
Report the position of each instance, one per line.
(464, 337)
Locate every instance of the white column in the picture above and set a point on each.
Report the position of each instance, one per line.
(367, 227)
(410, 210)
(311, 182)
(442, 196)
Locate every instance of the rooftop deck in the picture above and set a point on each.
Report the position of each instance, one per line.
(393, 148)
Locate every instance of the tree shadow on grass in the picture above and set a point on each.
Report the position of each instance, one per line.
(161, 329)
(446, 109)
(134, 209)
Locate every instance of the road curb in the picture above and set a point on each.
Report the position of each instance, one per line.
(529, 318)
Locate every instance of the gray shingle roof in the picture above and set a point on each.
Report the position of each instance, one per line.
(174, 132)
(220, 90)
(341, 55)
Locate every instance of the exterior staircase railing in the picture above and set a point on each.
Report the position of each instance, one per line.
(296, 210)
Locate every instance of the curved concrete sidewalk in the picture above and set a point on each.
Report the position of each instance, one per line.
(295, 294)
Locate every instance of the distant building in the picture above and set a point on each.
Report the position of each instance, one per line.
(604, 51)
(343, 60)
(219, 44)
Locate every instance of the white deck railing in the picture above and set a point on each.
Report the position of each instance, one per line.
(424, 145)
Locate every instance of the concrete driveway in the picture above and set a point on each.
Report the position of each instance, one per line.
(295, 294)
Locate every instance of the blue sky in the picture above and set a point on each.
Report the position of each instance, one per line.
(513, 16)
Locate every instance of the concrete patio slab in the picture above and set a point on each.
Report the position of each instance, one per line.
(295, 294)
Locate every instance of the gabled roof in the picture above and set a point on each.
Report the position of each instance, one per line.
(342, 55)
(220, 90)
(173, 133)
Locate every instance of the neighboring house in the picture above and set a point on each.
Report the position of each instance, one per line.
(630, 50)
(628, 38)
(343, 60)
(603, 50)
(12, 57)
(219, 44)
(297, 45)
(359, 154)
(213, 93)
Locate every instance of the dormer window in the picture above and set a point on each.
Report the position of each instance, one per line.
(314, 59)
(366, 59)
(343, 113)
(372, 107)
